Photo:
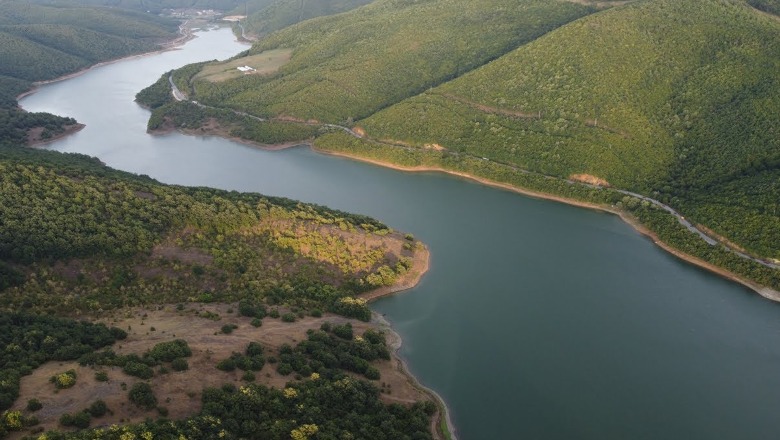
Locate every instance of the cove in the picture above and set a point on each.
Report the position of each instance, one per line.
(536, 320)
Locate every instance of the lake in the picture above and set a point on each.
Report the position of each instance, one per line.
(537, 320)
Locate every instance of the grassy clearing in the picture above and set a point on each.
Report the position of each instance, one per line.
(264, 63)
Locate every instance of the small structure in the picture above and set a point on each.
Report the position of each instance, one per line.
(246, 69)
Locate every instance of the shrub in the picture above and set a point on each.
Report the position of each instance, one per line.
(227, 364)
(98, 408)
(228, 328)
(142, 395)
(372, 373)
(79, 420)
(64, 380)
(101, 376)
(168, 351)
(248, 376)
(256, 322)
(34, 405)
(180, 364)
(343, 331)
(138, 370)
(253, 349)
(288, 317)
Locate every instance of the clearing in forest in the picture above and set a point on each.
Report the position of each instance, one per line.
(264, 63)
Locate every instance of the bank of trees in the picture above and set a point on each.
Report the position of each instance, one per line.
(31, 340)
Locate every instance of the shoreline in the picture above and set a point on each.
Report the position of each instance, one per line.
(395, 342)
(410, 280)
(185, 36)
(764, 291)
(193, 132)
(67, 132)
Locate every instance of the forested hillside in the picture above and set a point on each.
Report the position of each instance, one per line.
(163, 244)
(672, 98)
(43, 42)
(151, 6)
(282, 13)
(677, 100)
(79, 237)
(348, 66)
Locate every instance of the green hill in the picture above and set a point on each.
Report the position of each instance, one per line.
(43, 42)
(153, 6)
(283, 13)
(348, 66)
(65, 215)
(81, 238)
(677, 100)
(673, 98)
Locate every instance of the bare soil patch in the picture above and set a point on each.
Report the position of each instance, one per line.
(180, 392)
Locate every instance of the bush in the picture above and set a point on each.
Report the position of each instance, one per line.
(34, 405)
(372, 373)
(168, 351)
(101, 376)
(79, 420)
(274, 313)
(227, 364)
(138, 370)
(288, 317)
(142, 395)
(253, 349)
(228, 328)
(256, 322)
(180, 364)
(284, 369)
(98, 408)
(343, 331)
(248, 376)
(64, 380)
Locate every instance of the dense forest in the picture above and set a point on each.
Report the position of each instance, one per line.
(151, 6)
(75, 232)
(672, 99)
(336, 76)
(636, 109)
(42, 42)
(283, 13)
(79, 237)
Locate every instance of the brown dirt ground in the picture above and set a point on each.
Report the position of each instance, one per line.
(180, 391)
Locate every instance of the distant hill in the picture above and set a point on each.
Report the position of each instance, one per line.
(153, 6)
(44, 42)
(282, 13)
(347, 66)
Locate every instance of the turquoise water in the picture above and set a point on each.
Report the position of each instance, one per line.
(536, 320)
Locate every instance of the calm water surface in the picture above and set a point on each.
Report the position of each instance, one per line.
(536, 321)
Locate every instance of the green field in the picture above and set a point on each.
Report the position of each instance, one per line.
(264, 63)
